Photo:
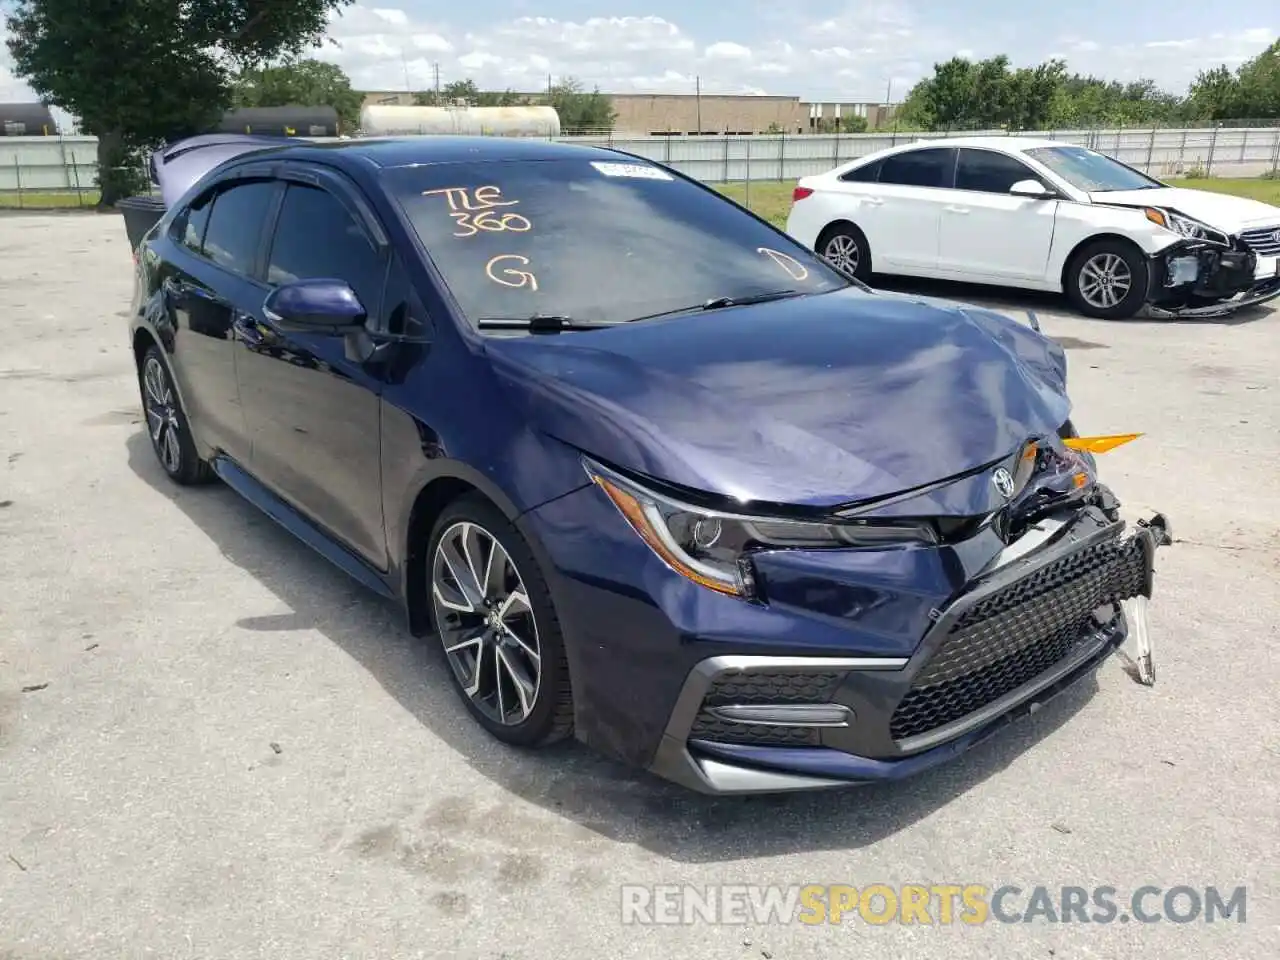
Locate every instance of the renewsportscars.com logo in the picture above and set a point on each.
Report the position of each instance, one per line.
(941, 904)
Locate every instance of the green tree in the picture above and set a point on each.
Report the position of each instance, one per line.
(136, 72)
(467, 91)
(1252, 92)
(581, 112)
(990, 94)
(303, 83)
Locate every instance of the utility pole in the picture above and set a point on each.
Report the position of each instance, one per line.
(404, 62)
(548, 89)
(436, 69)
(697, 93)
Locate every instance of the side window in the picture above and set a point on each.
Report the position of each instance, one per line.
(930, 167)
(990, 172)
(189, 226)
(317, 238)
(867, 173)
(235, 225)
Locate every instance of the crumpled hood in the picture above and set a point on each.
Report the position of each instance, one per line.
(1219, 210)
(816, 401)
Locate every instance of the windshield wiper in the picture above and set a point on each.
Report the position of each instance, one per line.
(716, 303)
(538, 323)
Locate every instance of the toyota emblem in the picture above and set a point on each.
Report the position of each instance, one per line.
(1002, 480)
(1276, 236)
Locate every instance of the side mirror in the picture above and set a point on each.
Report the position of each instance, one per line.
(315, 306)
(1033, 189)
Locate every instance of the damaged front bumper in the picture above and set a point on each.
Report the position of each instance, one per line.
(1197, 279)
(1022, 633)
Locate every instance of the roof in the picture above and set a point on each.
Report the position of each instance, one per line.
(407, 151)
(1012, 143)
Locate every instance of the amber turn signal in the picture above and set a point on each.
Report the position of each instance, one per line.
(1099, 444)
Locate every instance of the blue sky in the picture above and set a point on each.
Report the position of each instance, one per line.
(819, 50)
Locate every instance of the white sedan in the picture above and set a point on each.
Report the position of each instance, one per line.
(1042, 215)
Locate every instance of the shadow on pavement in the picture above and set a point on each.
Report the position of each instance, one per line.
(1008, 300)
(617, 802)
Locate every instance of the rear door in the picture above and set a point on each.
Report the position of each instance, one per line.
(204, 280)
(989, 234)
(313, 413)
(912, 188)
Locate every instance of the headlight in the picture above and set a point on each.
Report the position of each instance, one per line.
(713, 548)
(1184, 226)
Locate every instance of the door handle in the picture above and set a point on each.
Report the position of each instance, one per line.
(952, 208)
(874, 201)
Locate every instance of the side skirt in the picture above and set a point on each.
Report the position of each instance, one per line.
(243, 483)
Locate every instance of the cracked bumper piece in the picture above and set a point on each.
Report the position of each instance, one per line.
(1196, 280)
(1014, 640)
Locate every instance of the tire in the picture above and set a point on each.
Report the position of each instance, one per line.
(167, 425)
(1107, 280)
(500, 647)
(843, 242)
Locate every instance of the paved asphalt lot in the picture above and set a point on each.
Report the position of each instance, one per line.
(234, 752)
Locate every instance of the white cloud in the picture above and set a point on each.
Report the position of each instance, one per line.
(725, 50)
(834, 49)
(394, 17)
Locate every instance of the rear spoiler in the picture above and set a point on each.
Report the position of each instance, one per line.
(177, 166)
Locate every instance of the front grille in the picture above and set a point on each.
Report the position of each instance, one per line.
(1019, 632)
(764, 687)
(773, 687)
(1264, 241)
(708, 727)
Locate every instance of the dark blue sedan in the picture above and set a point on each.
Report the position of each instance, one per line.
(654, 474)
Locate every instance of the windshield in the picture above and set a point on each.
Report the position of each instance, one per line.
(1091, 172)
(595, 241)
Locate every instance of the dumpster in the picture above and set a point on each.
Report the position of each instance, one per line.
(140, 215)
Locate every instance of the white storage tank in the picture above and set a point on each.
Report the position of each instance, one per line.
(392, 120)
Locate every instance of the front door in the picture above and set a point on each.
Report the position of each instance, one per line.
(313, 414)
(989, 234)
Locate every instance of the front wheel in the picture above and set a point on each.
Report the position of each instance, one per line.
(493, 612)
(1107, 280)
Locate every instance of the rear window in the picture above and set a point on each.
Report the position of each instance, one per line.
(601, 241)
(867, 173)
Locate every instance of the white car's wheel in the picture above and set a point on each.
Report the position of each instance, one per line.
(845, 247)
(1107, 280)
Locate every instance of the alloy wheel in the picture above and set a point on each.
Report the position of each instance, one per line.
(842, 252)
(162, 415)
(486, 623)
(1105, 280)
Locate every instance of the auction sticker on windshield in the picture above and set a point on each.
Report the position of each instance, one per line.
(640, 171)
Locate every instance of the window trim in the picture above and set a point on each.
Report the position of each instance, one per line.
(949, 180)
(1031, 173)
